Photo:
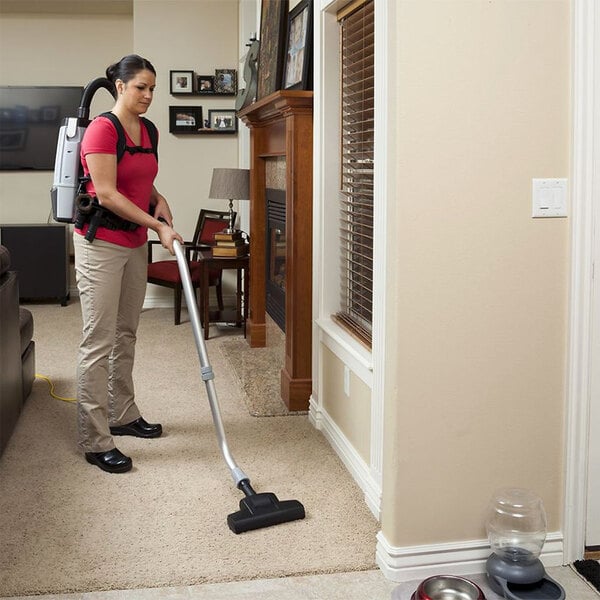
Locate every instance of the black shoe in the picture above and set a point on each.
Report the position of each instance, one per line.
(113, 461)
(138, 428)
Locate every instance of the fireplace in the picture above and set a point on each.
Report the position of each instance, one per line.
(281, 130)
(275, 256)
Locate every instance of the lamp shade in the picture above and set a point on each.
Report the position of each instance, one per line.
(230, 184)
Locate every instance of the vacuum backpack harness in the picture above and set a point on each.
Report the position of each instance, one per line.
(257, 510)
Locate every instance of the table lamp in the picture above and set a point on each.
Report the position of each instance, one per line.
(230, 184)
(516, 528)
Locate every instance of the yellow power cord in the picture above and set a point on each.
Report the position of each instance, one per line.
(49, 381)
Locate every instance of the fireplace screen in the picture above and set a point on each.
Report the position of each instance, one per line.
(276, 253)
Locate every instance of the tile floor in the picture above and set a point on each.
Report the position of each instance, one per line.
(367, 585)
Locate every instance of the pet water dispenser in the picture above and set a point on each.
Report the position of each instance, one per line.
(516, 528)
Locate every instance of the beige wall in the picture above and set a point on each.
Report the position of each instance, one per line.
(478, 354)
(59, 49)
(352, 412)
(198, 35)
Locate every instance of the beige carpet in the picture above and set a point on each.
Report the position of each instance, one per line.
(67, 526)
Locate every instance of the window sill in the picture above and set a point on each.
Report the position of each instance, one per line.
(351, 352)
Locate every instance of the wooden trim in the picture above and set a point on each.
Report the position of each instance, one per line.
(271, 108)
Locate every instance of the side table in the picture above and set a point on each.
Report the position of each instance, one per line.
(239, 314)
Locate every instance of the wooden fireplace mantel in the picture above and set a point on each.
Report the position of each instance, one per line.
(281, 125)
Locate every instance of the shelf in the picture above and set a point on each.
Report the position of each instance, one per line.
(203, 132)
(204, 95)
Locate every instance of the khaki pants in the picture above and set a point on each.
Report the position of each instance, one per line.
(112, 284)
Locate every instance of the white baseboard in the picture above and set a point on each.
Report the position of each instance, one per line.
(406, 563)
(355, 464)
(455, 558)
(159, 302)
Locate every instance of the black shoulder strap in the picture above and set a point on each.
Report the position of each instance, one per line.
(153, 134)
(121, 142)
(120, 133)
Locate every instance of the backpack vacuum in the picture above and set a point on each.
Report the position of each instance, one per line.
(67, 166)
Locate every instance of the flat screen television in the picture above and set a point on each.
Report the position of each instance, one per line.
(30, 118)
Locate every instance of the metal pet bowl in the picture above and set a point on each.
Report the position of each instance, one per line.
(447, 587)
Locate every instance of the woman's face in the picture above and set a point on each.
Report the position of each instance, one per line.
(136, 94)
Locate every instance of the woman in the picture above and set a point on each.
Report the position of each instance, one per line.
(111, 269)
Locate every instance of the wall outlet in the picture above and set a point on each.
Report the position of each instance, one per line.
(346, 381)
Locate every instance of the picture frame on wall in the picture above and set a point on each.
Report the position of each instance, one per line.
(205, 84)
(181, 82)
(225, 81)
(273, 25)
(222, 120)
(185, 119)
(298, 48)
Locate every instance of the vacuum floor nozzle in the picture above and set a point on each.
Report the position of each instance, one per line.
(263, 510)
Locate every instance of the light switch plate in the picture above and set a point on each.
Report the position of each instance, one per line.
(549, 197)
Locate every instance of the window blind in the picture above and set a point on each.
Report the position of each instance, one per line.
(357, 48)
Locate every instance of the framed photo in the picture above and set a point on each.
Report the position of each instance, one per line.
(205, 84)
(225, 81)
(273, 24)
(224, 120)
(181, 82)
(298, 50)
(185, 119)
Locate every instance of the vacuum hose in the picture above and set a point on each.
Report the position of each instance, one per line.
(206, 371)
(83, 112)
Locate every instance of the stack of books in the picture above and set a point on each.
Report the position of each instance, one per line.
(230, 244)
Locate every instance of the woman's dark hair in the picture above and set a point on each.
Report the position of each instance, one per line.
(127, 68)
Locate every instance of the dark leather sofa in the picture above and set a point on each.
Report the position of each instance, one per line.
(17, 350)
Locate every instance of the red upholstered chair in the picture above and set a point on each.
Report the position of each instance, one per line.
(166, 272)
